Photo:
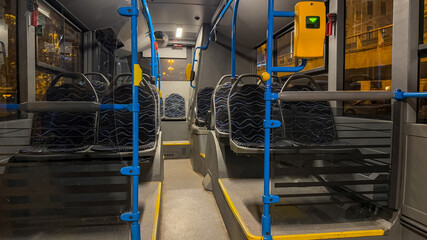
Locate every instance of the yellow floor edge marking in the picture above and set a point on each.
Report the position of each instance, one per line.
(203, 155)
(172, 143)
(332, 235)
(237, 215)
(156, 213)
(313, 236)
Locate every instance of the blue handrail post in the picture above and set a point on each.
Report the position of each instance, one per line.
(399, 95)
(266, 219)
(134, 170)
(233, 41)
(159, 70)
(146, 13)
(268, 123)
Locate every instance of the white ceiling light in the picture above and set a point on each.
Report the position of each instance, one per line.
(179, 32)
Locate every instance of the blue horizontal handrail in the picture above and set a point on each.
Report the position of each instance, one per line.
(400, 95)
(209, 38)
(283, 14)
(291, 69)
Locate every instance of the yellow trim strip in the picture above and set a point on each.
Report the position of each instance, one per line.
(312, 236)
(156, 213)
(203, 155)
(172, 143)
(242, 224)
(138, 75)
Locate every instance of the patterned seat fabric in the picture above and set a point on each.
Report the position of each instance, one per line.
(221, 108)
(157, 101)
(247, 111)
(115, 127)
(64, 132)
(309, 123)
(175, 106)
(161, 108)
(100, 88)
(204, 97)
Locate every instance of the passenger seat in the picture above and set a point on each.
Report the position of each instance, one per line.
(65, 132)
(115, 127)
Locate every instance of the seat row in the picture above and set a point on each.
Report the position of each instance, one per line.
(238, 110)
(109, 131)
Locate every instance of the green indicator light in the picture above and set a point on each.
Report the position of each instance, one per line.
(312, 22)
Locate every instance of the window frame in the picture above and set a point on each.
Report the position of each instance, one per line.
(422, 53)
(315, 71)
(285, 30)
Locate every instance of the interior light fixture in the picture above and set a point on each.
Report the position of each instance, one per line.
(179, 32)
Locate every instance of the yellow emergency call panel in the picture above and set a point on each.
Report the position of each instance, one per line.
(310, 29)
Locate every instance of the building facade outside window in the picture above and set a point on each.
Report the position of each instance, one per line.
(261, 57)
(368, 54)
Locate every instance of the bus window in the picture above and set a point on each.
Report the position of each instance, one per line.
(368, 48)
(261, 57)
(8, 58)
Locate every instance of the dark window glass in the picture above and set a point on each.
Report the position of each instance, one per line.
(261, 59)
(58, 48)
(370, 9)
(383, 8)
(8, 58)
(172, 69)
(368, 55)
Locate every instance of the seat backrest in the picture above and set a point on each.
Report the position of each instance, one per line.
(157, 102)
(220, 104)
(308, 122)
(66, 130)
(175, 106)
(246, 113)
(99, 82)
(115, 127)
(221, 107)
(204, 97)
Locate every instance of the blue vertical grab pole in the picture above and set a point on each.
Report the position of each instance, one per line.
(159, 71)
(154, 66)
(267, 198)
(266, 219)
(233, 41)
(133, 170)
